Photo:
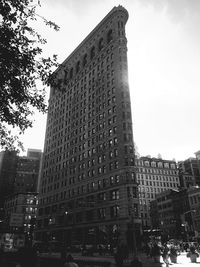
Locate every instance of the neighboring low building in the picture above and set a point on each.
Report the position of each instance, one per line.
(18, 174)
(177, 212)
(166, 213)
(194, 202)
(8, 164)
(197, 154)
(189, 169)
(21, 209)
(27, 171)
(186, 180)
(155, 222)
(154, 175)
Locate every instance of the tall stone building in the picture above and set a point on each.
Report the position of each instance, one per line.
(88, 190)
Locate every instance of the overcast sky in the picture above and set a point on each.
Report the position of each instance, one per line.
(164, 68)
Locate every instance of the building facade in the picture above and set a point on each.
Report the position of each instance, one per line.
(18, 174)
(193, 218)
(176, 213)
(88, 190)
(154, 175)
(190, 167)
(20, 213)
(27, 171)
(197, 155)
(8, 163)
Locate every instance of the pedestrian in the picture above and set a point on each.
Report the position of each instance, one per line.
(156, 252)
(70, 262)
(165, 254)
(186, 247)
(173, 254)
(136, 262)
(192, 254)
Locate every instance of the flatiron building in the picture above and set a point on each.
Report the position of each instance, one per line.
(88, 192)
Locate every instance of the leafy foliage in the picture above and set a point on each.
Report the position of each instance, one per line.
(21, 67)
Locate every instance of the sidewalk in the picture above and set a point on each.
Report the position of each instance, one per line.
(182, 260)
(147, 261)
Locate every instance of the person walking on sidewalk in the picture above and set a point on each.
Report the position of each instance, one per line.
(165, 254)
(173, 254)
(192, 254)
(156, 252)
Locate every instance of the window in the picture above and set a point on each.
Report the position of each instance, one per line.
(114, 211)
(102, 213)
(166, 165)
(111, 166)
(92, 55)
(102, 196)
(160, 165)
(173, 166)
(100, 44)
(78, 66)
(109, 36)
(110, 142)
(99, 184)
(84, 60)
(146, 163)
(114, 195)
(71, 73)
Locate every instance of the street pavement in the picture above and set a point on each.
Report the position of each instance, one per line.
(182, 260)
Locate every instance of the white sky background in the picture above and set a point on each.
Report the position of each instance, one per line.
(164, 67)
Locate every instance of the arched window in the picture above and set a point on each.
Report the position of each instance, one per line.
(153, 164)
(84, 60)
(71, 73)
(92, 54)
(100, 44)
(78, 66)
(110, 36)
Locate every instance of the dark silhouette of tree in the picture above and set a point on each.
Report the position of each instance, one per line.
(22, 67)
